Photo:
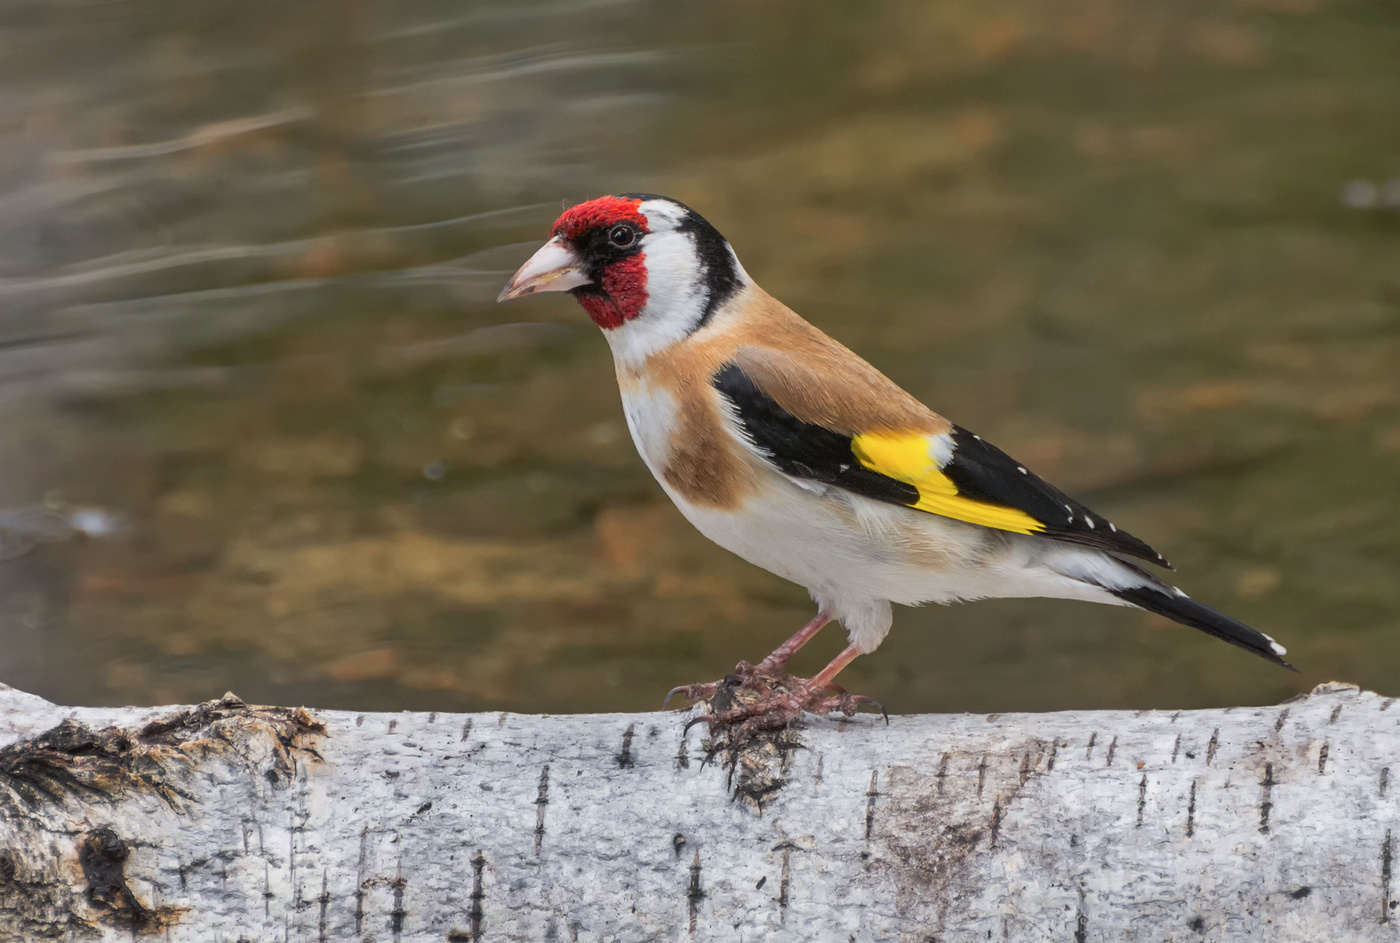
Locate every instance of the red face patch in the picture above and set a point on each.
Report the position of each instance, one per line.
(624, 294)
(621, 290)
(604, 211)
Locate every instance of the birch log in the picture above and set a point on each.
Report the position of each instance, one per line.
(226, 822)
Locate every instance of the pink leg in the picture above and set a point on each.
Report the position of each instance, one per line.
(821, 679)
(802, 636)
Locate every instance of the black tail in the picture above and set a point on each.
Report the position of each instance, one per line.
(1187, 611)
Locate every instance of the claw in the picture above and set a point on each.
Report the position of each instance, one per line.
(691, 692)
(849, 703)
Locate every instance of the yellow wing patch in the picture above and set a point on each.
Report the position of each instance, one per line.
(907, 457)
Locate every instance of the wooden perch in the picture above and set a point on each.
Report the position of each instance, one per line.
(229, 822)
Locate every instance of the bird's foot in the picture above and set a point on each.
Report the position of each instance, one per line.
(765, 697)
(707, 692)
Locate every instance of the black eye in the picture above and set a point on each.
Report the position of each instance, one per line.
(622, 235)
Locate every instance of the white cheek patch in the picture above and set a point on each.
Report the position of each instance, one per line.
(675, 299)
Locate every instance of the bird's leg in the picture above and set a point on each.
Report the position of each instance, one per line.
(820, 703)
(779, 659)
(772, 666)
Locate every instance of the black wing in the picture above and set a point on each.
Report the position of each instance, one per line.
(979, 471)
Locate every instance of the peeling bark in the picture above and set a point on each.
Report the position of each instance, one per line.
(227, 822)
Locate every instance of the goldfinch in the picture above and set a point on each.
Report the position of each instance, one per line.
(786, 448)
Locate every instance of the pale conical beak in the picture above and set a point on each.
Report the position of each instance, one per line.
(555, 267)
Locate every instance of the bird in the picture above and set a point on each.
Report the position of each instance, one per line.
(788, 449)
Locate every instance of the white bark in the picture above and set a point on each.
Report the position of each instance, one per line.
(228, 823)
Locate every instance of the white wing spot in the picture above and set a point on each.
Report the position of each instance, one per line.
(1021, 469)
(1112, 527)
(845, 468)
(1089, 520)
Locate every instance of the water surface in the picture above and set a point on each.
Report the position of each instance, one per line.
(248, 257)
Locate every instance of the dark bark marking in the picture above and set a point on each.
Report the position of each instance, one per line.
(1282, 719)
(1385, 780)
(783, 885)
(103, 854)
(292, 863)
(1025, 767)
(393, 725)
(1176, 747)
(1266, 803)
(981, 774)
(360, 720)
(1081, 925)
(624, 758)
(1112, 747)
(398, 913)
(466, 729)
(1385, 878)
(871, 795)
(324, 900)
(1322, 757)
(477, 914)
(1197, 924)
(942, 773)
(761, 881)
(677, 843)
(1300, 893)
(682, 754)
(541, 803)
(1142, 799)
(694, 894)
(1054, 749)
(432, 717)
(1213, 745)
(996, 821)
(1175, 716)
(1089, 750)
(821, 761)
(1191, 810)
(1336, 712)
(1385, 705)
(361, 880)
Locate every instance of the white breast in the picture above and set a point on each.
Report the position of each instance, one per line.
(651, 415)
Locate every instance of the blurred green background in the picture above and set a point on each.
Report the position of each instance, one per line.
(264, 427)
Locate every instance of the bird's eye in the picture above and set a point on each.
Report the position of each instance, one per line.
(622, 235)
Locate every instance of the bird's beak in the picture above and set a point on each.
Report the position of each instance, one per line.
(555, 267)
